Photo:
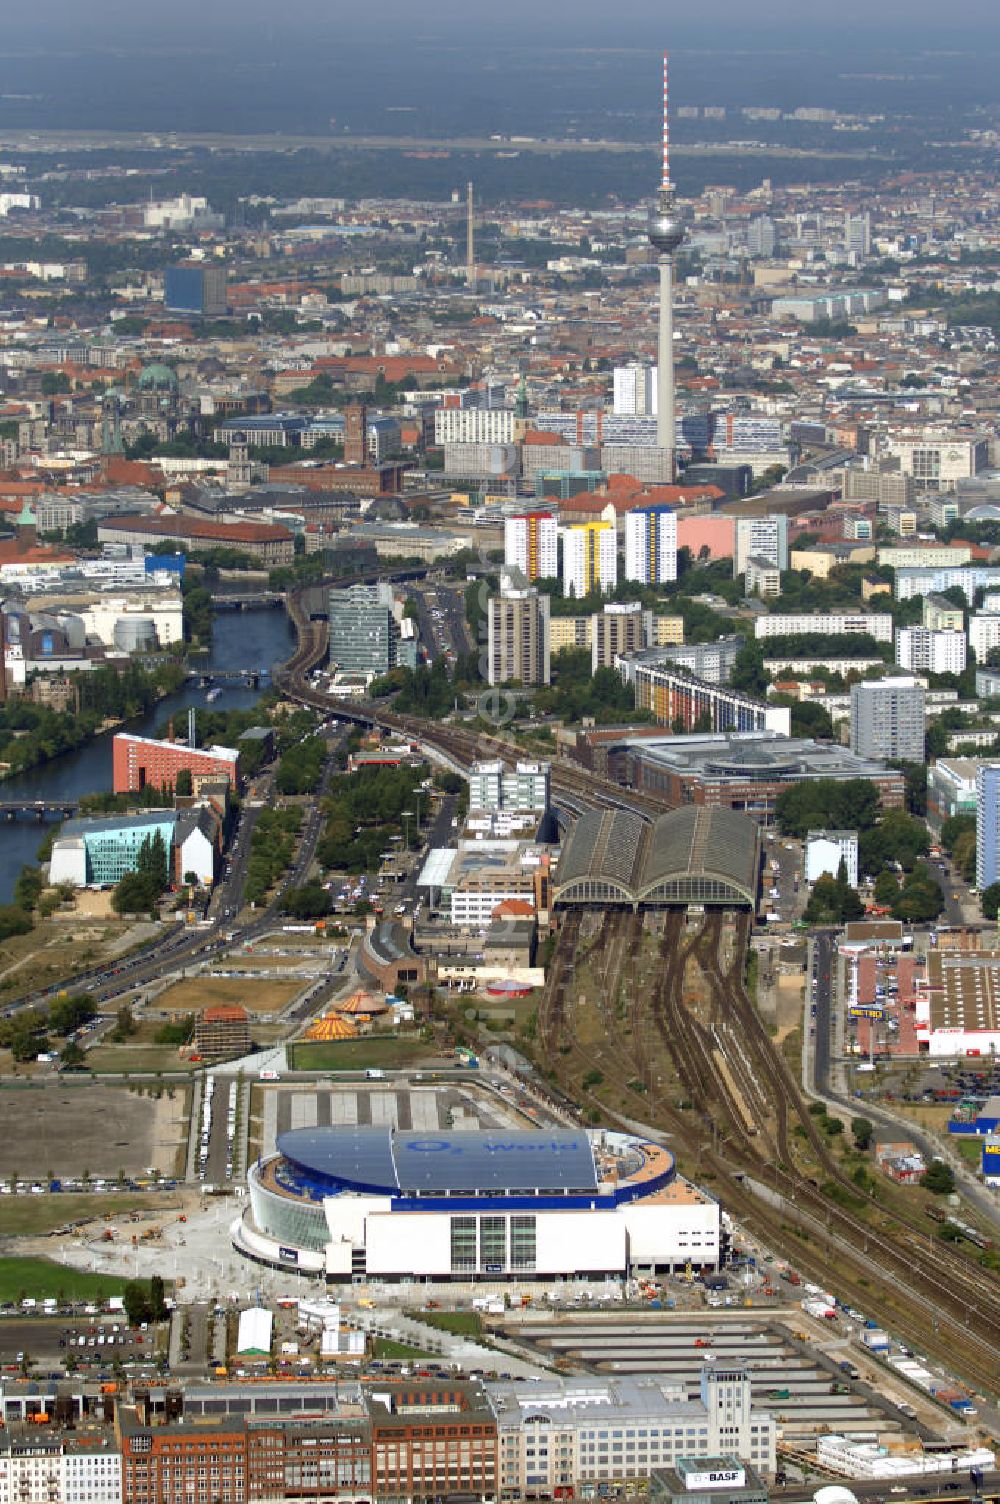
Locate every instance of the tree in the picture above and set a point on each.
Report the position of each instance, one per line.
(184, 786)
(749, 674)
(827, 804)
(136, 893)
(833, 901)
(311, 901)
(72, 1056)
(152, 862)
(898, 837)
(28, 886)
(920, 897)
(990, 901)
(136, 1302)
(863, 1132)
(886, 888)
(157, 1303)
(940, 1178)
(13, 921)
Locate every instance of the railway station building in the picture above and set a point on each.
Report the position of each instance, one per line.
(688, 856)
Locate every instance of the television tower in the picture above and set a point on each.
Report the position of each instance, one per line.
(470, 238)
(665, 234)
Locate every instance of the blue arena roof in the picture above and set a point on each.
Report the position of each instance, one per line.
(383, 1160)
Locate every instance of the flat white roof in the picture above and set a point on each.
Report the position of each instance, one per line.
(437, 868)
(255, 1329)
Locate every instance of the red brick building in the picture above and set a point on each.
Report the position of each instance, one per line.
(139, 760)
(165, 1464)
(427, 1445)
(270, 544)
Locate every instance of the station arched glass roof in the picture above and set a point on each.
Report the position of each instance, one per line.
(692, 855)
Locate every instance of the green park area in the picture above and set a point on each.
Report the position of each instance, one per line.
(390, 1053)
(22, 1278)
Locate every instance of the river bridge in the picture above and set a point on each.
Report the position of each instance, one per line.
(249, 676)
(42, 809)
(259, 599)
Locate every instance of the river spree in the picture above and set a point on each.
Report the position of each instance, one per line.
(241, 639)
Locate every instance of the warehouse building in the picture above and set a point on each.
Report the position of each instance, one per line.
(958, 1007)
(383, 1203)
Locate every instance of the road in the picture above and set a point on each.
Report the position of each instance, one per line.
(441, 618)
(787, 901)
(179, 948)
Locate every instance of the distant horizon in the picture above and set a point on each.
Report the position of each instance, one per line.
(565, 68)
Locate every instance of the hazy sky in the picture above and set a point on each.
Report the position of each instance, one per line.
(962, 24)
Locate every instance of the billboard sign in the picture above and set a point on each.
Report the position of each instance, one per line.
(720, 1477)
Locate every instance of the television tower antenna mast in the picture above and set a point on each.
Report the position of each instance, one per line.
(665, 234)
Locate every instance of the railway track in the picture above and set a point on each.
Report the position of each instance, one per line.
(930, 1298)
(962, 1298)
(937, 1298)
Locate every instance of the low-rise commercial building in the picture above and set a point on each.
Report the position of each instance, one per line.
(741, 771)
(97, 853)
(951, 788)
(958, 1010)
(558, 1437)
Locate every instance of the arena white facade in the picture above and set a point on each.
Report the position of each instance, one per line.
(374, 1202)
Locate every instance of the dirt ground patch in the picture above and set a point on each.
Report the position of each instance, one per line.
(90, 903)
(91, 1127)
(195, 993)
(29, 1216)
(263, 961)
(58, 947)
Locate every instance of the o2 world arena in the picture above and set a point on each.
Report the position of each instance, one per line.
(353, 1203)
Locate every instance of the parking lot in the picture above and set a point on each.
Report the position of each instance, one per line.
(88, 1341)
(427, 1108)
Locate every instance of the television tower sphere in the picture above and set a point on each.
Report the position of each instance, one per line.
(665, 230)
